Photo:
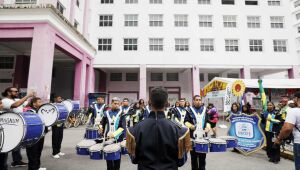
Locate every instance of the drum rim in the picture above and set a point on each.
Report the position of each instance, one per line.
(23, 135)
(57, 116)
(113, 151)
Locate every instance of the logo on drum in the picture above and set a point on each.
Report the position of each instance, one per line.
(9, 121)
(51, 111)
(244, 130)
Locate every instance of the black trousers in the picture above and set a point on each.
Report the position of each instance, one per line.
(16, 155)
(34, 155)
(113, 165)
(198, 160)
(272, 153)
(3, 161)
(57, 137)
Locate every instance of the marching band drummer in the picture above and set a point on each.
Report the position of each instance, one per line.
(180, 112)
(197, 116)
(34, 152)
(57, 135)
(157, 143)
(3, 156)
(125, 108)
(97, 109)
(12, 103)
(113, 125)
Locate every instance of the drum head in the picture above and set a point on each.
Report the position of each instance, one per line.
(49, 114)
(85, 143)
(68, 104)
(111, 148)
(13, 131)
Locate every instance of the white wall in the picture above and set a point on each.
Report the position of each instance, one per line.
(143, 32)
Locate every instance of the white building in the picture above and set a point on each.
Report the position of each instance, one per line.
(182, 44)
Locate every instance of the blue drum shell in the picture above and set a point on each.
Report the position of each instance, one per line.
(82, 151)
(34, 128)
(201, 148)
(96, 155)
(218, 147)
(112, 156)
(92, 134)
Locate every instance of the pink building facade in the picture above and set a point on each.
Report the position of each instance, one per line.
(42, 38)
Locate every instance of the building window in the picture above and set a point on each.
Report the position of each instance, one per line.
(60, 7)
(131, 76)
(105, 20)
(274, 2)
(212, 76)
(115, 76)
(131, 20)
(280, 45)
(227, 2)
(229, 21)
(180, 1)
(156, 76)
(155, 1)
(131, 1)
(25, 1)
(204, 2)
(201, 77)
(77, 3)
(130, 44)
(205, 20)
(104, 44)
(156, 44)
(156, 20)
(253, 21)
(181, 20)
(107, 1)
(231, 45)
(256, 45)
(181, 44)
(7, 62)
(298, 16)
(76, 24)
(297, 3)
(277, 21)
(207, 44)
(233, 75)
(172, 77)
(251, 2)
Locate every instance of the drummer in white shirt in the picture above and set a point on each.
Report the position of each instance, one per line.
(11, 102)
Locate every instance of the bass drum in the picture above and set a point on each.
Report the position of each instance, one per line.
(53, 113)
(20, 130)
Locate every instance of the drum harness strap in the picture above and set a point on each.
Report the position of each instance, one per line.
(112, 122)
(182, 115)
(200, 122)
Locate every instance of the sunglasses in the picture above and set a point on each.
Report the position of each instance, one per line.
(15, 91)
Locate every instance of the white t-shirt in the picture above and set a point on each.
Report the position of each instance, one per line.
(293, 117)
(6, 102)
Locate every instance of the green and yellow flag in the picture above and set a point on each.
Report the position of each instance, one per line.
(263, 95)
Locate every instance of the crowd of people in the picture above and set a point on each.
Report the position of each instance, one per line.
(147, 127)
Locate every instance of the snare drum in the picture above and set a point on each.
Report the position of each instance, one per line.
(201, 146)
(71, 105)
(82, 147)
(230, 140)
(20, 130)
(112, 152)
(53, 112)
(109, 142)
(96, 151)
(217, 145)
(92, 133)
(123, 147)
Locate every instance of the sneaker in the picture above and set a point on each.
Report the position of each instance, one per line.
(56, 156)
(18, 164)
(42, 169)
(61, 154)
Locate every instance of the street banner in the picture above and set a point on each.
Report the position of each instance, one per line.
(246, 128)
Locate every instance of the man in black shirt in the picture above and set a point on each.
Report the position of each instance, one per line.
(157, 143)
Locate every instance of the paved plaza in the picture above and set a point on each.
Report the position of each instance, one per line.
(215, 161)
